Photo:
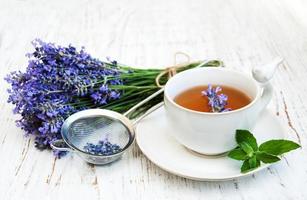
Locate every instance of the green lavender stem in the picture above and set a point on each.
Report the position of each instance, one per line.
(137, 86)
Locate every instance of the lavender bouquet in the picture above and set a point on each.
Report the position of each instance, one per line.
(60, 81)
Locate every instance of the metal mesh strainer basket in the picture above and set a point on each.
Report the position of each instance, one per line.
(91, 126)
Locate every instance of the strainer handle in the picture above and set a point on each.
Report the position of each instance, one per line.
(60, 145)
(155, 107)
(143, 102)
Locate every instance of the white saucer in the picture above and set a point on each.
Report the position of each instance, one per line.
(153, 138)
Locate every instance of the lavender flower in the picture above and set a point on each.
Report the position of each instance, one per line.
(104, 147)
(58, 82)
(217, 102)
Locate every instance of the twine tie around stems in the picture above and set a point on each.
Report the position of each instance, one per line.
(171, 71)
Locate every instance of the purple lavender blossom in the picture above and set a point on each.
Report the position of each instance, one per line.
(104, 147)
(217, 102)
(58, 82)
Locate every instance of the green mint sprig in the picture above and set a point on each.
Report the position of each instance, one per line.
(252, 155)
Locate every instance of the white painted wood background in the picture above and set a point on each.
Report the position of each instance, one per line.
(243, 33)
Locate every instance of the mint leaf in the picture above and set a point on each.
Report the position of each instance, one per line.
(250, 164)
(247, 148)
(267, 158)
(253, 162)
(278, 147)
(246, 136)
(237, 154)
(252, 155)
(245, 167)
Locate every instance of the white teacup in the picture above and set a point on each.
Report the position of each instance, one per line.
(213, 133)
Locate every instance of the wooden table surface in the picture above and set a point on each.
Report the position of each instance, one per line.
(242, 33)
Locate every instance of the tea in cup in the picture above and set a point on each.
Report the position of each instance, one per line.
(201, 130)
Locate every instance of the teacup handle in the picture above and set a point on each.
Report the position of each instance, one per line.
(60, 145)
(265, 98)
(263, 76)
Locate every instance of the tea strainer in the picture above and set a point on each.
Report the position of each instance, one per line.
(92, 125)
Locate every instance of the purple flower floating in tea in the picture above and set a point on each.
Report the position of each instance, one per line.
(217, 102)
